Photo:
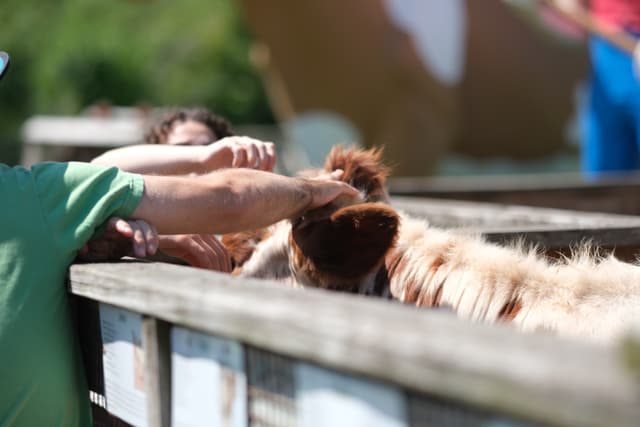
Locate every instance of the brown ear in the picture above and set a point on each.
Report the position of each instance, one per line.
(363, 169)
(346, 245)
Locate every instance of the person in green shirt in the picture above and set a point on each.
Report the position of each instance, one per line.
(50, 213)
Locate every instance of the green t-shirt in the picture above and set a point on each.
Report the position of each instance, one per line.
(48, 213)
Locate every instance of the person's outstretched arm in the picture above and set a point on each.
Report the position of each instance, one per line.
(233, 151)
(231, 200)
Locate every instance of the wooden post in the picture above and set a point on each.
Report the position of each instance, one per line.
(157, 375)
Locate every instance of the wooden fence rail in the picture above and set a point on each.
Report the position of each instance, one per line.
(613, 193)
(227, 351)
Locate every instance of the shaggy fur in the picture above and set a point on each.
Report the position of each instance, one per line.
(370, 248)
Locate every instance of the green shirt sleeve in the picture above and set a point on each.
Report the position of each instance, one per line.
(49, 212)
(77, 198)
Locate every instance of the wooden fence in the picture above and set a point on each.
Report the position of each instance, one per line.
(187, 347)
(171, 345)
(612, 193)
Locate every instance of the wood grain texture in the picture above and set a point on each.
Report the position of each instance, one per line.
(613, 193)
(549, 228)
(157, 374)
(533, 377)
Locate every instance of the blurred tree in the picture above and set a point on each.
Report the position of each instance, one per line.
(67, 55)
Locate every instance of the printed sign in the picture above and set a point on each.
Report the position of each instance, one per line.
(123, 360)
(209, 384)
(326, 398)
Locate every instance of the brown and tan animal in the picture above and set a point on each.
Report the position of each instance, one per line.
(370, 248)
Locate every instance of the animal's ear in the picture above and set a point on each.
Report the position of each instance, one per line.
(347, 245)
(363, 169)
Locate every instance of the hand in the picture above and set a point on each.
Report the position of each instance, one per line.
(636, 61)
(121, 238)
(327, 188)
(568, 6)
(202, 251)
(243, 152)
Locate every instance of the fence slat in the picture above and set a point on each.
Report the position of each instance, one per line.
(157, 375)
(532, 377)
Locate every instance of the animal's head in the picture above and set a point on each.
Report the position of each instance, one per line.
(337, 250)
(335, 246)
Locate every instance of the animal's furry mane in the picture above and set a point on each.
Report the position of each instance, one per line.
(371, 248)
(363, 169)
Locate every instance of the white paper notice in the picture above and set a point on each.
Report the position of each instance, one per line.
(123, 361)
(209, 384)
(326, 398)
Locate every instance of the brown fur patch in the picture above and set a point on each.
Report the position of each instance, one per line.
(510, 310)
(431, 299)
(363, 169)
(425, 298)
(395, 263)
(411, 290)
(241, 245)
(346, 245)
(435, 301)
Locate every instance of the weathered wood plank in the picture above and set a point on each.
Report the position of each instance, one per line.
(568, 181)
(615, 193)
(157, 374)
(83, 131)
(533, 377)
(550, 228)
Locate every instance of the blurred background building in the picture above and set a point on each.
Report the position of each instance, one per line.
(446, 86)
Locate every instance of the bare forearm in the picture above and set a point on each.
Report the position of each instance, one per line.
(221, 202)
(156, 159)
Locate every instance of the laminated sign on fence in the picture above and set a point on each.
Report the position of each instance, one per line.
(123, 361)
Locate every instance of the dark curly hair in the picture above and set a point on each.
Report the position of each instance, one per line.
(158, 133)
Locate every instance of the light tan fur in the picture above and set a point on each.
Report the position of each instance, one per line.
(585, 295)
(582, 296)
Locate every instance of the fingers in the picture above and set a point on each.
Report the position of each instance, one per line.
(220, 259)
(119, 225)
(336, 174)
(202, 251)
(250, 153)
(636, 60)
(347, 190)
(324, 192)
(253, 156)
(121, 238)
(144, 236)
(202, 254)
(239, 157)
(270, 156)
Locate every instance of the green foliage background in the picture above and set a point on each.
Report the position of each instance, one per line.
(69, 54)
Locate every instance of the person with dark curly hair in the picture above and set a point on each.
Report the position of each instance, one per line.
(188, 126)
(191, 140)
